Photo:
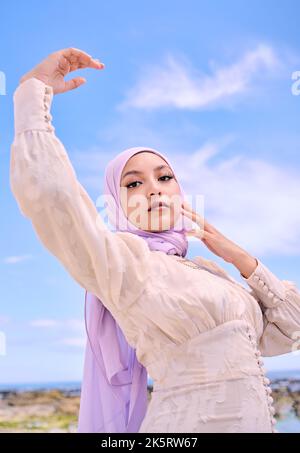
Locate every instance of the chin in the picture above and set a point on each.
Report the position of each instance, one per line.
(156, 223)
(158, 231)
(164, 226)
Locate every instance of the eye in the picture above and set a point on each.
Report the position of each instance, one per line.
(165, 176)
(128, 185)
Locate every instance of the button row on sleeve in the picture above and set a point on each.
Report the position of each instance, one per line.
(47, 116)
(267, 290)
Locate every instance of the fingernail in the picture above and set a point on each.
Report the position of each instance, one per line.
(99, 62)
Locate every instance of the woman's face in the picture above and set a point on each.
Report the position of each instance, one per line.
(150, 180)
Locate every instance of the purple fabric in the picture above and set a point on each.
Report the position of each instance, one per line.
(114, 384)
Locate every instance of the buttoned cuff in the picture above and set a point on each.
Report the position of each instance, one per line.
(269, 288)
(32, 103)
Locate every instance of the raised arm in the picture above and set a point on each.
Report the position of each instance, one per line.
(111, 265)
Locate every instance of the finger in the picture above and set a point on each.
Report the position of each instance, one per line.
(193, 216)
(86, 61)
(74, 83)
(80, 59)
(186, 205)
(190, 233)
(207, 235)
(198, 219)
(94, 63)
(196, 233)
(77, 59)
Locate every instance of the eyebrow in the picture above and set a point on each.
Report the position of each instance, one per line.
(136, 172)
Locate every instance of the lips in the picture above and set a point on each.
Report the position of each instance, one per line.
(157, 204)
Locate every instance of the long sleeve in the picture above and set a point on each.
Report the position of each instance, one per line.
(111, 265)
(280, 304)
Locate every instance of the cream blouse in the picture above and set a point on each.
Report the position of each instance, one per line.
(158, 301)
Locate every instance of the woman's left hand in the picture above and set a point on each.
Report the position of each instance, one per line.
(212, 238)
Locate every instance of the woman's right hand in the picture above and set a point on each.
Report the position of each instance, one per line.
(57, 65)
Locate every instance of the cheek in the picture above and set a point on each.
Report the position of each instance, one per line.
(174, 187)
(174, 193)
(176, 198)
(126, 203)
(135, 203)
(123, 200)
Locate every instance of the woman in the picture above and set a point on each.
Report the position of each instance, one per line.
(197, 331)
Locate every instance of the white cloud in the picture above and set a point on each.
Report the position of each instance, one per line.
(176, 84)
(45, 323)
(4, 320)
(72, 324)
(17, 259)
(251, 201)
(78, 342)
(69, 332)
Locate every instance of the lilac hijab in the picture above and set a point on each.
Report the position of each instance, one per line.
(114, 384)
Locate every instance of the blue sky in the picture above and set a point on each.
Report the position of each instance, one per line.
(206, 82)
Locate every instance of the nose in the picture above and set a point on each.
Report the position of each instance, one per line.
(154, 189)
(154, 193)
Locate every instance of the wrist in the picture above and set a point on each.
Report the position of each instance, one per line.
(32, 103)
(245, 263)
(40, 77)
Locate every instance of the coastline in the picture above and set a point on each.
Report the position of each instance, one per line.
(54, 407)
